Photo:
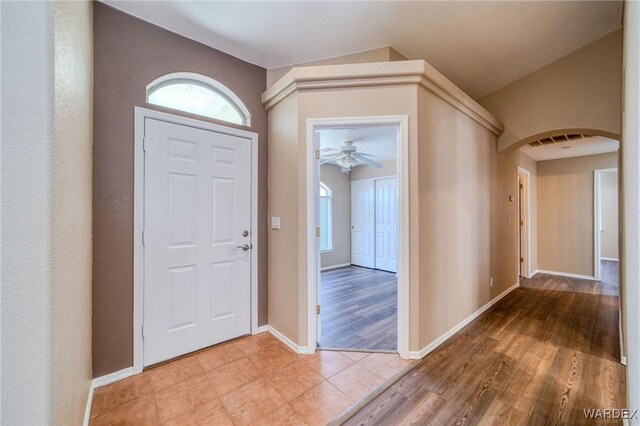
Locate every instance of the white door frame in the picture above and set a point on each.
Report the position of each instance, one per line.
(597, 220)
(526, 267)
(140, 115)
(313, 248)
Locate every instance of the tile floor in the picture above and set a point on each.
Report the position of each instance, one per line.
(254, 380)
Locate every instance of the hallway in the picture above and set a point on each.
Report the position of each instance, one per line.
(542, 355)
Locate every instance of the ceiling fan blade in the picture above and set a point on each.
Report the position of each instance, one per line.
(327, 149)
(367, 160)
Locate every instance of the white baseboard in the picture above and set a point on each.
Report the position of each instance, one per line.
(533, 273)
(262, 329)
(87, 410)
(440, 340)
(328, 268)
(286, 341)
(623, 360)
(567, 274)
(610, 259)
(103, 381)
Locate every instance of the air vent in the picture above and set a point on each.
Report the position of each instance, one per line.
(558, 139)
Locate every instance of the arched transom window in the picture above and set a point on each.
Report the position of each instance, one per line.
(198, 94)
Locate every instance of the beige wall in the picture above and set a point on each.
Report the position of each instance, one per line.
(381, 54)
(565, 212)
(452, 191)
(457, 193)
(630, 181)
(46, 212)
(507, 215)
(287, 191)
(389, 168)
(580, 91)
(340, 187)
(128, 54)
(72, 165)
(609, 215)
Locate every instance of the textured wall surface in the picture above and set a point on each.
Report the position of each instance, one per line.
(609, 212)
(580, 91)
(129, 54)
(72, 142)
(27, 119)
(340, 186)
(565, 212)
(631, 202)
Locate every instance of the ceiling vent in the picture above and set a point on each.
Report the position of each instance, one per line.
(558, 138)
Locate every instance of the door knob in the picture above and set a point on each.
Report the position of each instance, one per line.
(245, 247)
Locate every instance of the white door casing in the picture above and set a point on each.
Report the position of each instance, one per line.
(197, 205)
(386, 224)
(363, 223)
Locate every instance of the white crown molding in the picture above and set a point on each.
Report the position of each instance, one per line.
(380, 74)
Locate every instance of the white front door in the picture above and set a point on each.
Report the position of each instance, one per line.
(386, 224)
(197, 212)
(362, 223)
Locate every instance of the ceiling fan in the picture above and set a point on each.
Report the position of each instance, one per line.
(348, 156)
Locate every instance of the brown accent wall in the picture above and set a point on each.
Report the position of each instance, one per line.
(128, 54)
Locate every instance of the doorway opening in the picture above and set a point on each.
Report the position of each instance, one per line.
(605, 232)
(524, 227)
(360, 283)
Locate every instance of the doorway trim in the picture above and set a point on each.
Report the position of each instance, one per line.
(401, 122)
(140, 115)
(597, 220)
(527, 221)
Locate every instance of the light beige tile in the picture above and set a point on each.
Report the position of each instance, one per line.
(283, 416)
(327, 363)
(234, 375)
(108, 397)
(293, 380)
(384, 365)
(209, 413)
(174, 372)
(141, 411)
(219, 355)
(321, 404)
(184, 397)
(252, 402)
(356, 381)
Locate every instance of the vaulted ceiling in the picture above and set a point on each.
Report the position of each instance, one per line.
(481, 46)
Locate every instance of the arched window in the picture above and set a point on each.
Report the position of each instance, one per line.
(198, 94)
(326, 238)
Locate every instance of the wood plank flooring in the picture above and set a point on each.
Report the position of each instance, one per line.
(359, 309)
(540, 356)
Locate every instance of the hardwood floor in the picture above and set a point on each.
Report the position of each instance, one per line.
(359, 309)
(541, 355)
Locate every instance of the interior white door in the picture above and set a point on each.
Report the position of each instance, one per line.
(197, 212)
(386, 224)
(362, 223)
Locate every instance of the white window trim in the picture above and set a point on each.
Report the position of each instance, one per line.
(207, 81)
(330, 218)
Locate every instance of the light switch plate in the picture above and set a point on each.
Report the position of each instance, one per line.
(275, 222)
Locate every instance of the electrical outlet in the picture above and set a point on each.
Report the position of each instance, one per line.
(491, 282)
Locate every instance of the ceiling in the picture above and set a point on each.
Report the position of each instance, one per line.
(378, 141)
(480, 46)
(575, 148)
